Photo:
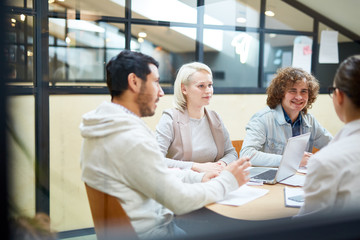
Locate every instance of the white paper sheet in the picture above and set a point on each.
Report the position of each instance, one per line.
(243, 195)
(295, 180)
(302, 56)
(291, 192)
(302, 170)
(329, 52)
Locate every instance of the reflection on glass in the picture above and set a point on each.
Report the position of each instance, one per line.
(19, 3)
(89, 8)
(232, 12)
(19, 50)
(170, 46)
(280, 50)
(79, 50)
(235, 62)
(165, 10)
(286, 17)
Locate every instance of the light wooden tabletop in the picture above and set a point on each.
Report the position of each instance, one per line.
(269, 206)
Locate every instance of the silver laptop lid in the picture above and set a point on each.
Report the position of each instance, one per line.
(293, 153)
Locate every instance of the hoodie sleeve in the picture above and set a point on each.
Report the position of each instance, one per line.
(141, 165)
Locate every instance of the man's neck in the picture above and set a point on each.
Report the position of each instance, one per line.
(130, 105)
(292, 116)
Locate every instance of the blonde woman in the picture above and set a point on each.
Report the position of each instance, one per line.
(189, 135)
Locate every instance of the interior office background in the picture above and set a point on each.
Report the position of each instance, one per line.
(56, 51)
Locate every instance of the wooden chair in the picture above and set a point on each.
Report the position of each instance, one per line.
(314, 150)
(237, 145)
(110, 219)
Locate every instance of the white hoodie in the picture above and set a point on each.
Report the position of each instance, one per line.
(120, 156)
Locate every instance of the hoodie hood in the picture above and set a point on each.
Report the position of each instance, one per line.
(106, 119)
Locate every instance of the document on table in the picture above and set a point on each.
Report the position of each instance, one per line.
(295, 180)
(302, 170)
(294, 197)
(242, 195)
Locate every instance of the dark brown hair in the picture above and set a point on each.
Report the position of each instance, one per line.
(287, 77)
(347, 78)
(120, 66)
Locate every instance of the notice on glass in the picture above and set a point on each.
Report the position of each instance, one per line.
(302, 52)
(302, 56)
(329, 52)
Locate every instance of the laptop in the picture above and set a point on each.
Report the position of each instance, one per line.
(290, 161)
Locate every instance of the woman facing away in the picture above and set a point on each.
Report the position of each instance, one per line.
(189, 135)
(332, 181)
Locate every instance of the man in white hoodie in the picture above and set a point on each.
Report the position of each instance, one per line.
(120, 155)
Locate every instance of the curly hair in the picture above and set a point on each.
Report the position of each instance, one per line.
(287, 77)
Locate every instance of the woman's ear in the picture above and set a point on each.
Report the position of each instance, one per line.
(134, 82)
(339, 98)
(183, 89)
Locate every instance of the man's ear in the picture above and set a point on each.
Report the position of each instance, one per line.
(134, 82)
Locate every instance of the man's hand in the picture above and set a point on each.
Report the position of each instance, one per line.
(208, 176)
(305, 159)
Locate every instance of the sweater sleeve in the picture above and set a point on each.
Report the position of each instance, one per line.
(172, 163)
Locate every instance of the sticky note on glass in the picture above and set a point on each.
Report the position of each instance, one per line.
(329, 52)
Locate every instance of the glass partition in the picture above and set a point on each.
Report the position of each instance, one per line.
(88, 9)
(325, 72)
(170, 46)
(79, 50)
(282, 51)
(165, 10)
(232, 12)
(233, 57)
(19, 48)
(19, 3)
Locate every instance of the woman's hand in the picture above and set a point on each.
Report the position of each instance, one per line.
(209, 167)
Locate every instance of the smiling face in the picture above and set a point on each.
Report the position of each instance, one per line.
(200, 90)
(150, 93)
(295, 99)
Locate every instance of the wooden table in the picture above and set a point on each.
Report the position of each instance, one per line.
(269, 206)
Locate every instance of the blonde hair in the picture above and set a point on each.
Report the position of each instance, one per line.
(184, 77)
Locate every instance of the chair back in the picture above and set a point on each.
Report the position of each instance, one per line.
(110, 219)
(237, 145)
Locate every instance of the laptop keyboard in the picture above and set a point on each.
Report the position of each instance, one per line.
(267, 175)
